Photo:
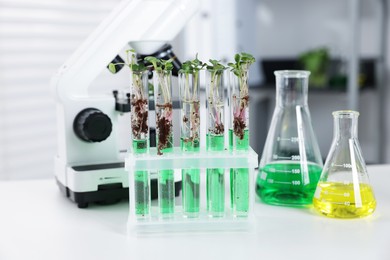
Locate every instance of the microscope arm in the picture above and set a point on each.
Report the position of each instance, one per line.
(144, 24)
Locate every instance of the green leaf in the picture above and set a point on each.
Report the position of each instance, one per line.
(168, 66)
(154, 61)
(237, 58)
(215, 66)
(242, 62)
(112, 68)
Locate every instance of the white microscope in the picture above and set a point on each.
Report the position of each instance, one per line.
(88, 165)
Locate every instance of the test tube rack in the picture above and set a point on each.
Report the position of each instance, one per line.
(155, 222)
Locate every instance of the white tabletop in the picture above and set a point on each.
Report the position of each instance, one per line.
(38, 222)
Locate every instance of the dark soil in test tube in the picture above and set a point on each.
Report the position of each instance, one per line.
(139, 122)
(239, 124)
(164, 126)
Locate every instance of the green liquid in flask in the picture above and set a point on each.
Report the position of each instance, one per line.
(338, 200)
(190, 183)
(215, 180)
(239, 178)
(284, 184)
(141, 181)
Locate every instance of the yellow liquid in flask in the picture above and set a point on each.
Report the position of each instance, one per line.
(338, 200)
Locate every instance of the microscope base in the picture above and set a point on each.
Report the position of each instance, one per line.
(101, 183)
(105, 195)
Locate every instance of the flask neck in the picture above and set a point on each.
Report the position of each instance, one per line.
(291, 89)
(345, 124)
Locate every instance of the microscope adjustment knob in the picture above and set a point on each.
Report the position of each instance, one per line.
(92, 125)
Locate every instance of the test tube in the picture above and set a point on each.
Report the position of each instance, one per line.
(140, 139)
(164, 136)
(239, 138)
(166, 191)
(142, 193)
(215, 178)
(239, 191)
(190, 139)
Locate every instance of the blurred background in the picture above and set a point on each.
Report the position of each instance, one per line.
(344, 43)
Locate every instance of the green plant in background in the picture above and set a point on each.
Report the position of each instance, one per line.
(316, 61)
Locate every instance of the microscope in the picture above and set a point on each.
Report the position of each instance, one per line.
(89, 166)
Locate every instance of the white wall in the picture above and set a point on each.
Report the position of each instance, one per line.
(287, 28)
(36, 37)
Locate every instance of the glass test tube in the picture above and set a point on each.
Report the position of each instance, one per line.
(239, 139)
(164, 136)
(189, 140)
(140, 139)
(215, 178)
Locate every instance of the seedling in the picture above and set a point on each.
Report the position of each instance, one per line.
(240, 69)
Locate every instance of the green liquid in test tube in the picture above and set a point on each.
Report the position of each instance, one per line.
(239, 131)
(140, 140)
(166, 188)
(189, 93)
(239, 178)
(164, 138)
(215, 137)
(141, 182)
(190, 184)
(215, 181)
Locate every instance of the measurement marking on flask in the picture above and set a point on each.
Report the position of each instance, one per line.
(293, 139)
(278, 182)
(295, 171)
(301, 144)
(292, 157)
(344, 165)
(345, 194)
(282, 182)
(346, 203)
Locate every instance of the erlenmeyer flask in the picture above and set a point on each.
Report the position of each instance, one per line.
(291, 163)
(344, 190)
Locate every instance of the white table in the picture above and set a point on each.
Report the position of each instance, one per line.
(38, 222)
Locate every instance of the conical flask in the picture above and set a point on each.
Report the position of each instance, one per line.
(291, 163)
(344, 190)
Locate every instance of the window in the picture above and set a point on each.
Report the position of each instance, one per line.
(36, 37)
